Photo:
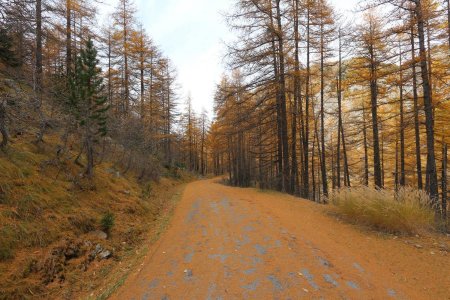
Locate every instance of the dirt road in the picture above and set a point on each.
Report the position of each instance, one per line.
(231, 243)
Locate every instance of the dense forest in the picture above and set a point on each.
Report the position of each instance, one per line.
(99, 143)
(313, 101)
(316, 101)
(132, 111)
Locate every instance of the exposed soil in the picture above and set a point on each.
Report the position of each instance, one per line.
(231, 243)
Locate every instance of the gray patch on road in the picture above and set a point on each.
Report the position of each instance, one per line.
(260, 249)
(275, 282)
(251, 286)
(221, 257)
(189, 256)
(310, 278)
(242, 242)
(214, 207)
(392, 293)
(194, 212)
(358, 267)
(353, 285)
(325, 262)
(328, 278)
(248, 228)
(249, 271)
(153, 284)
(188, 274)
(225, 203)
(256, 260)
(211, 290)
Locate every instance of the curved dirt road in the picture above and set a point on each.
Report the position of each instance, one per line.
(231, 243)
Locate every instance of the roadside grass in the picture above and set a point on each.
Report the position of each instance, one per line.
(407, 212)
(135, 257)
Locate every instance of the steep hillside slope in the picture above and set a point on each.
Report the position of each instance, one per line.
(53, 222)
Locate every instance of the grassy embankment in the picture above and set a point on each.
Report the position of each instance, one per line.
(49, 215)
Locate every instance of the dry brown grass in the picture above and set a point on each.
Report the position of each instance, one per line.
(408, 211)
(44, 201)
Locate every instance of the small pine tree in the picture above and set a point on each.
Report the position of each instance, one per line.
(86, 101)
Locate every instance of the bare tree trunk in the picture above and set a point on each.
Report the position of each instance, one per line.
(448, 22)
(68, 38)
(280, 160)
(366, 157)
(402, 127)
(344, 150)
(297, 98)
(416, 110)
(39, 71)
(306, 135)
(432, 187)
(125, 57)
(374, 109)
(282, 91)
(322, 117)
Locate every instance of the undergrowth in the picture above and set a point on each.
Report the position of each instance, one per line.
(406, 211)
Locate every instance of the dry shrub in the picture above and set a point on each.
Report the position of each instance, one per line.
(408, 211)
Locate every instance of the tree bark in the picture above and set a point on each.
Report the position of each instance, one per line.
(374, 109)
(306, 135)
(402, 128)
(297, 98)
(68, 38)
(322, 117)
(282, 91)
(366, 157)
(432, 187)
(416, 110)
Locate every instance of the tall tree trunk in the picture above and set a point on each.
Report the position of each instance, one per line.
(280, 181)
(306, 135)
(402, 127)
(282, 91)
(39, 70)
(322, 117)
(125, 57)
(448, 23)
(416, 109)
(431, 160)
(110, 91)
(338, 148)
(366, 157)
(374, 109)
(297, 98)
(344, 150)
(68, 37)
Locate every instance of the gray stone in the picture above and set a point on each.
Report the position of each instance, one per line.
(105, 254)
(98, 248)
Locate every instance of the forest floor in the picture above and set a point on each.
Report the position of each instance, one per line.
(232, 243)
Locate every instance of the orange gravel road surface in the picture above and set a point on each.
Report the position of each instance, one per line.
(232, 243)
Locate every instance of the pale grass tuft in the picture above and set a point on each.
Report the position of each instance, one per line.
(408, 211)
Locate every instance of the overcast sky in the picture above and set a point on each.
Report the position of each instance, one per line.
(191, 33)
